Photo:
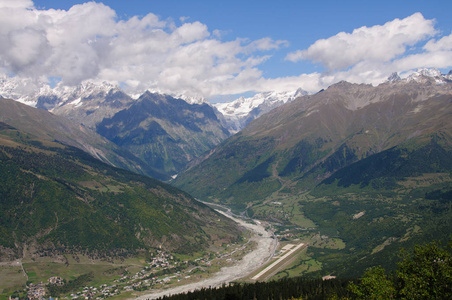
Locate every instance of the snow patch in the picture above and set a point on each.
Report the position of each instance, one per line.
(77, 102)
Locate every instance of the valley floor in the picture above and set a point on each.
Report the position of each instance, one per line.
(264, 251)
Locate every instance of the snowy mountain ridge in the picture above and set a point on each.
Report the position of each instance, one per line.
(422, 75)
(28, 92)
(240, 112)
(90, 96)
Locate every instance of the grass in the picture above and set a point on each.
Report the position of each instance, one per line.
(11, 279)
(286, 209)
(126, 295)
(303, 264)
(330, 243)
(40, 271)
(104, 272)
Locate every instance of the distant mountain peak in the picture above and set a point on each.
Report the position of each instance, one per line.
(191, 99)
(427, 74)
(240, 112)
(394, 77)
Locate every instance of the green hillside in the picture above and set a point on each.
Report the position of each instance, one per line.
(57, 199)
(388, 201)
(357, 171)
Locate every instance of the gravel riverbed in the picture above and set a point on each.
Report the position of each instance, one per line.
(265, 249)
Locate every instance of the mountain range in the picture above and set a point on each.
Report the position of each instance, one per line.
(366, 167)
(171, 131)
(301, 143)
(56, 199)
(240, 112)
(361, 166)
(164, 131)
(48, 126)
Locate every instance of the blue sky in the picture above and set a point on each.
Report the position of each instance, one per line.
(279, 43)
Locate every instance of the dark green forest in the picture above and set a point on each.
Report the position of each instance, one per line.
(61, 199)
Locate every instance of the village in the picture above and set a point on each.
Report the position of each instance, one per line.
(161, 271)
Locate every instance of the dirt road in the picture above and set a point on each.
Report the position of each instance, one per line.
(266, 246)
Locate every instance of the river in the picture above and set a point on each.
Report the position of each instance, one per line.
(265, 249)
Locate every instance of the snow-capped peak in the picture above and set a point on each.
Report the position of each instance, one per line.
(432, 72)
(240, 112)
(30, 92)
(84, 90)
(394, 77)
(21, 89)
(191, 99)
(243, 106)
(421, 75)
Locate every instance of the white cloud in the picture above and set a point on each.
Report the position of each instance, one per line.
(87, 42)
(444, 44)
(16, 4)
(371, 54)
(308, 82)
(183, 19)
(377, 43)
(437, 59)
(265, 44)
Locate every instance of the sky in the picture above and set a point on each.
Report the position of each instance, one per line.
(217, 50)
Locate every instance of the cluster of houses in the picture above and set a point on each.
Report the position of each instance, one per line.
(149, 276)
(36, 291)
(104, 291)
(56, 280)
(39, 291)
(146, 277)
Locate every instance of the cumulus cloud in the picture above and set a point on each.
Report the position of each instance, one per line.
(443, 44)
(370, 54)
(377, 43)
(16, 4)
(88, 42)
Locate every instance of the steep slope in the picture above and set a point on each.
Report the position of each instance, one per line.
(297, 145)
(56, 199)
(48, 126)
(356, 171)
(190, 126)
(90, 103)
(164, 131)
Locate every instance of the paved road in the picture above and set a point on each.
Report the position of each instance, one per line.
(266, 246)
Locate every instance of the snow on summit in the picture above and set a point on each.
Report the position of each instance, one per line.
(241, 111)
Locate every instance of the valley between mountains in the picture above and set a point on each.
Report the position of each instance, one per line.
(98, 187)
